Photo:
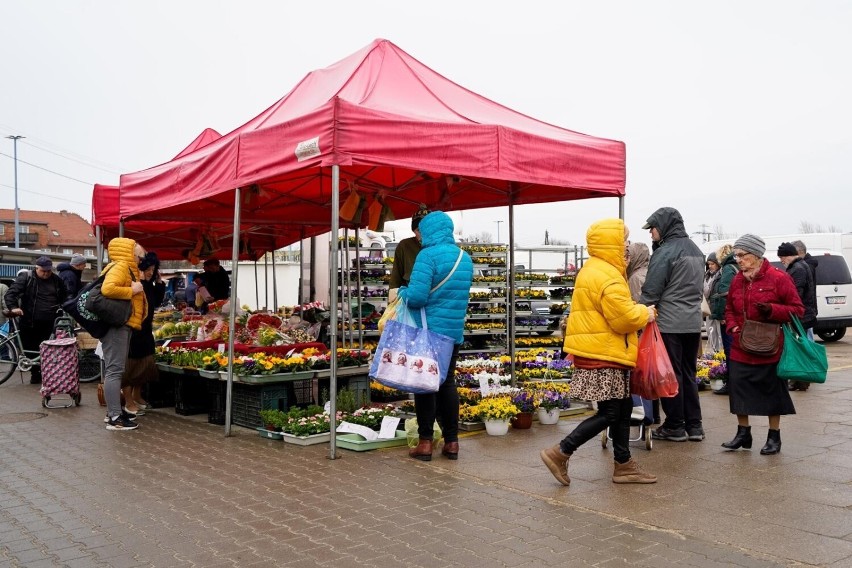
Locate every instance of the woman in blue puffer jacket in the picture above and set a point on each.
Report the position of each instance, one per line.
(445, 313)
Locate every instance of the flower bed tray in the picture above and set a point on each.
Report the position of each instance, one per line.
(357, 443)
(269, 434)
(306, 440)
(471, 426)
(274, 378)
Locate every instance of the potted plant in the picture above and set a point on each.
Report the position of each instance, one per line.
(273, 420)
(547, 403)
(306, 427)
(496, 411)
(524, 400)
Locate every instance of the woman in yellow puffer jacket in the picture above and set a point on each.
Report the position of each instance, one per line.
(601, 335)
(121, 282)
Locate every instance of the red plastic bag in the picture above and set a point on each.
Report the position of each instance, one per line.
(653, 376)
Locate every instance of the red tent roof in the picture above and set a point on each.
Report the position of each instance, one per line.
(207, 136)
(171, 239)
(398, 130)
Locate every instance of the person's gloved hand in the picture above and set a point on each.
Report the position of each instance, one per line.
(764, 309)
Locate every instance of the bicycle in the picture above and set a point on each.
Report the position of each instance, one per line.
(13, 356)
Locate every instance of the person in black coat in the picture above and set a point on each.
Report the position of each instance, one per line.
(35, 297)
(72, 274)
(141, 368)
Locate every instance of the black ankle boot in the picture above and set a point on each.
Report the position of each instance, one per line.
(773, 443)
(741, 440)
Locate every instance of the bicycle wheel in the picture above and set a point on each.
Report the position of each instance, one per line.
(8, 359)
(89, 366)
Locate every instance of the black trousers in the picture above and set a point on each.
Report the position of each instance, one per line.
(442, 405)
(32, 334)
(614, 414)
(683, 410)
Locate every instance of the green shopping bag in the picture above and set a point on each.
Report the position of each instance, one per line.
(801, 359)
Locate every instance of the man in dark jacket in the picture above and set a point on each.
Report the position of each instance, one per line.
(216, 280)
(35, 296)
(72, 274)
(803, 253)
(803, 277)
(674, 285)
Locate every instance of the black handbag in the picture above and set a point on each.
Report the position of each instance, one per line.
(95, 312)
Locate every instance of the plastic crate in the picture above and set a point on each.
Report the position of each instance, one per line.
(161, 393)
(216, 401)
(359, 384)
(190, 395)
(248, 400)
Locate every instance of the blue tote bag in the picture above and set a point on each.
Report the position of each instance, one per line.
(410, 358)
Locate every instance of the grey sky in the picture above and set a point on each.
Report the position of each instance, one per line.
(736, 113)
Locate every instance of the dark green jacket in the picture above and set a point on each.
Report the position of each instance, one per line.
(719, 292)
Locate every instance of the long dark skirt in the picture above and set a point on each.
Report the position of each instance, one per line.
(756, 390)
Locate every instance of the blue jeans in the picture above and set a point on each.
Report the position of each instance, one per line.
(116, 345)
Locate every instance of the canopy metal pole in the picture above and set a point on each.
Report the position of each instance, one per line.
(511, 292)
(266, 282)
(99, 250)
(232, 313)
(121, 228)
(621, 207)
(256, 287)
(332, 300)
(274, 286)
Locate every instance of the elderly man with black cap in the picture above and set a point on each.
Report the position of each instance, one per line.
(72, 274)
(34, 297)
(674, 285)
(759, 292)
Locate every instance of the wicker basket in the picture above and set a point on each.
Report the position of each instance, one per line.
(86, 341)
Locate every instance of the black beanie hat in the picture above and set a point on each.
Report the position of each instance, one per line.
(787, 249)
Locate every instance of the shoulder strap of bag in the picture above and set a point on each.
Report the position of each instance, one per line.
(447, 277)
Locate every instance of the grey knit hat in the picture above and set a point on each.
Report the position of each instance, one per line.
(751, 243)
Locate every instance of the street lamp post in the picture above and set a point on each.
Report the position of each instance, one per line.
(498, 231)
(15, 139)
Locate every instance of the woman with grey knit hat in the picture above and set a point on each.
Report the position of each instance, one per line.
(761, 292)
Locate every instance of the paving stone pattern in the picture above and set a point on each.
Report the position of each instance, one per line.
(176, 492)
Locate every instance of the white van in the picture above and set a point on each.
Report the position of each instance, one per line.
(833, 280)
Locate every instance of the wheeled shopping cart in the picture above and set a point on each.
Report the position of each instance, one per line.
(640, 420)
(59, 371)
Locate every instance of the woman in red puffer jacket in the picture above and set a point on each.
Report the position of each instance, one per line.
(764, 293)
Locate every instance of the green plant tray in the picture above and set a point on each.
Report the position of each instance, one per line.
(276, 378)
(306, 440)
(269, 434)
(357, 443)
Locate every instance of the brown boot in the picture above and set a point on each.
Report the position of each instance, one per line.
(451, 450)
(557, 463)
(630, 472)
(423, 450)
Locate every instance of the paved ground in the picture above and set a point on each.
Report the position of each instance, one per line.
(175, 492)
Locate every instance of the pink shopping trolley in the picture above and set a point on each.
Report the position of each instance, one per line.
(59, 371)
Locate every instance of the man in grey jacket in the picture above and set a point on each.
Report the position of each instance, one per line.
(674, 285)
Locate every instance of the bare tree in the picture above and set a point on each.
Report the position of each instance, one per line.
(720, 233)
(808, 227)
(834, 229)
(483, 237)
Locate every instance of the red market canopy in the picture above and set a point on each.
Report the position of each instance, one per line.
(172, 239)
(398, 130)
(207, 136)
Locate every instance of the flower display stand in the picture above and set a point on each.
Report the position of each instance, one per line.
(497, 427)
(357, 443)
(523, 421)
(269, 434)
(548, 416)
(308, 440)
